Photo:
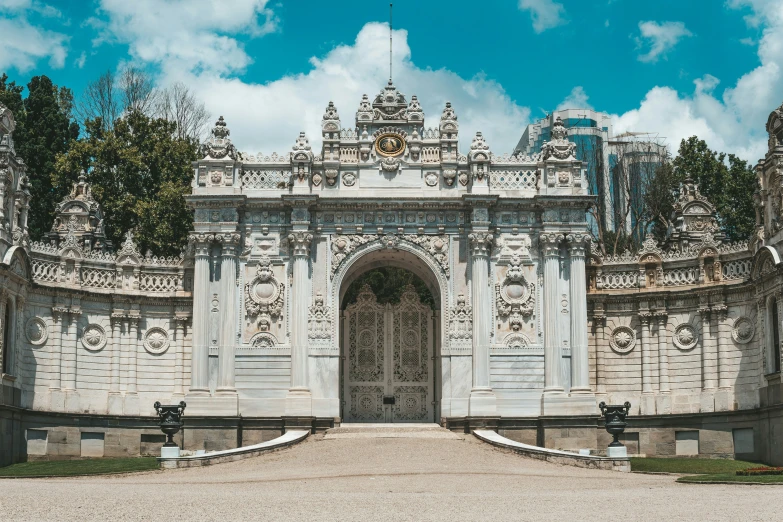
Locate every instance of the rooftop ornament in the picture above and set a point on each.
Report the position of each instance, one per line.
(170, 423)
(614, 415)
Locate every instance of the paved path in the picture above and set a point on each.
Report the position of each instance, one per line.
(371, 479)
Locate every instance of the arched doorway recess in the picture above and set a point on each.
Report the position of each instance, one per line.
(390, 345)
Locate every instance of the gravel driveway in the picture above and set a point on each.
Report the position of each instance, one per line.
(372, 479)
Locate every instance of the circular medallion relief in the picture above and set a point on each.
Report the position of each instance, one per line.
(431, 179)
(93, 337)
(36, 331)
(743, 330)
(389, 145)
(685, 337)
(156, 340)
(623, 339)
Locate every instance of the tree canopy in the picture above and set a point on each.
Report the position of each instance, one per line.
(140, 172)
(45, 128)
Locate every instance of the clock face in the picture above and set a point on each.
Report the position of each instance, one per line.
(389, 145)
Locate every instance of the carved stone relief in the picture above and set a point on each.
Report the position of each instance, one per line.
(743, 330)
(320, 326)
(156, 340)
(460, 325)
(623, 339)
(685, 337)
(93, 337)
(515, 296)
(264, 295)
(36, 331)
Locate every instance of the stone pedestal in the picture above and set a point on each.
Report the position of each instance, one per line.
(132, 406)
(707, 401)
(554, 403)
(724, 400)
(217, 406)
(115, 403)
(617, 452)
(663, 404)
(169, 452)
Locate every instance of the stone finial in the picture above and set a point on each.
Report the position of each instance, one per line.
(218, 145)
(302, 143)
(559, 147)
(331, 113)
(415, 112)
(448, 113)
(478, 142)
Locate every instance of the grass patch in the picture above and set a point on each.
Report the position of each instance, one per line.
(65, 468)
(690, 466)
(731, 477)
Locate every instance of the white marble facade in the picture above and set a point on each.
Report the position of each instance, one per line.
(530, 319)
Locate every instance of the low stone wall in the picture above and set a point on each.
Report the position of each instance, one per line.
(745, 434)
(33, 435)
(555, 456)
(218, 457)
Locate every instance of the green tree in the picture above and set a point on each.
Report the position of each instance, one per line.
(729, 185)
(44, 129)
(140, 172)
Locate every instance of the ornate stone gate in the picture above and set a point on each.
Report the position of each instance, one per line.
(388, 360)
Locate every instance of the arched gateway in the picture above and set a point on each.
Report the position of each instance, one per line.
(499, 240)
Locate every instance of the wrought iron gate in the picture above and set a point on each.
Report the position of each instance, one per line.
(388, 367)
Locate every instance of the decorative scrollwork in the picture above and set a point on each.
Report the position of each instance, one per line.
(515, 296)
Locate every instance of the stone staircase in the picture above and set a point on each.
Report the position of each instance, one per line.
(390, 431)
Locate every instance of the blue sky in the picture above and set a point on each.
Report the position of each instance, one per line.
(710, 67)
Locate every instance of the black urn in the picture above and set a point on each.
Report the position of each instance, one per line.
(614, 415)
(170, 420)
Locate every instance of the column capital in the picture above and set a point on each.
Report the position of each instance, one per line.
(645, 317)
(181, 320)
(549, 242)
(202, 242)
(59, 311)
(117, 317)
(577, 243)
(704, 311)
(722, 311)
(230, 243)
(480, 243)
(300, 242)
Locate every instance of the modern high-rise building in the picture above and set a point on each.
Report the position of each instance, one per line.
(618, 167)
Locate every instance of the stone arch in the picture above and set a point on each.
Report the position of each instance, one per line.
(412, 257)
(18, 262)
(765, 259)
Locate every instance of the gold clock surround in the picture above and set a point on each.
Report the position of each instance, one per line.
(389, 145)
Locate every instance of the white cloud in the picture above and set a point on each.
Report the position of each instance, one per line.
(79, 62)
(22, 44)
(577, 99)
(189, 34)
(545, 14)
(268, 117)
(659, 38)
(732, 120)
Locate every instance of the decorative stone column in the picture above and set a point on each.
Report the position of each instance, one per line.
(299, 398)
(708, 355)
(133, 349)
(663, 353)
(550, 246)
(179, 356)
(599, 326)
(3, 304)
(580, 365)
(69, 355)
(482, 399)
(723, 397)
(115, 400)
(199, 365)
(228, 311)
(647, 406)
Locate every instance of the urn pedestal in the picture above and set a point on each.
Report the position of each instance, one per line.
(170, 423)
(614, 415)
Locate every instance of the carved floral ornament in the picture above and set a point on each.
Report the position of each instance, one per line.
(156, 340)
(264, 295)
(685, 337)
(623, 339)
(743, 330)
(460, 324)
(320, 325)
(36, 331)
(93, 337)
